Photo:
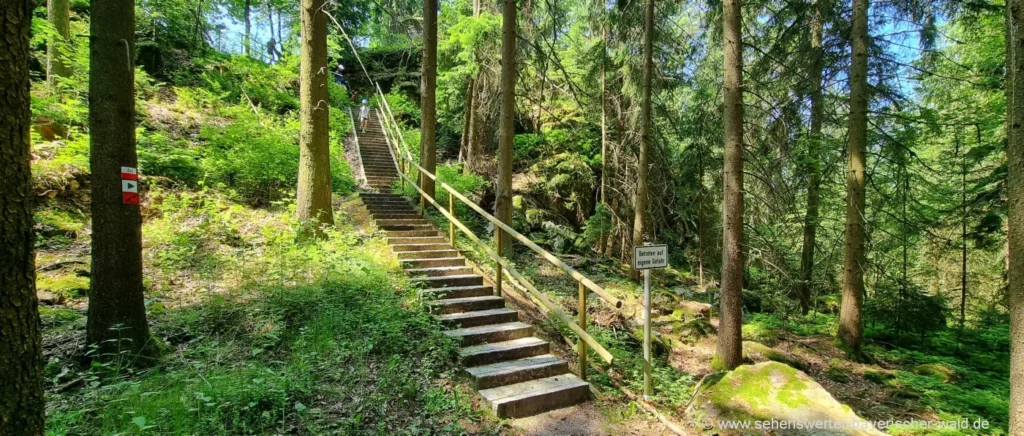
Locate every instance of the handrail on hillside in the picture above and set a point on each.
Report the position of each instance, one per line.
(406, 163)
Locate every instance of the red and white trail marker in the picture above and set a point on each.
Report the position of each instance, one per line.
(129, 185)
(129, 173)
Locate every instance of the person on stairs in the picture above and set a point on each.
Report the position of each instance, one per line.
(364, 115)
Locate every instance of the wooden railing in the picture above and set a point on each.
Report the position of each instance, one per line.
(407, 163)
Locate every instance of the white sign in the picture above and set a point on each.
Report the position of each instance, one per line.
(129, 186)
(650, 257)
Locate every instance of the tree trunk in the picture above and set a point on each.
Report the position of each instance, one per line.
(117, 312)
(280, 30)
(314, 191)
(428, 103)
(640, 200)
(851, 328)
(1015, 188)
(604, 131)
(57, 64)
(467, 127)
(248, 28)
(507, 124)
(21, 359)
(813, 165)
(729, 353)
(963, 239)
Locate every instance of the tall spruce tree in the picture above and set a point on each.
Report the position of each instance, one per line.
(117, 312)
(314, 190)
(729, 353)
(851, 328)
(21, 349)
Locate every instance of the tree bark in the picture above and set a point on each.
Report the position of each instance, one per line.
(507, 124)
(851, 328)
(314, 190)
(21, 359)
(813, 166)
(604, 130)
(57, 64)
(428, 102)
(117, 312)
(729, 353)
(1015, 188)
(467, 127)
(248, 28)
(640, 200)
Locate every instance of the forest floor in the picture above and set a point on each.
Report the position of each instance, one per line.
(932, 380)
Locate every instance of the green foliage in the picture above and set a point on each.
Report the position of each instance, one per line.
(308, 328)
(161, 156)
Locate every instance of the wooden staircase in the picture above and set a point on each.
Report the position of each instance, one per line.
(514, 371)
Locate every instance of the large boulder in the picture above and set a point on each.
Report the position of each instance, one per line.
(773, 398)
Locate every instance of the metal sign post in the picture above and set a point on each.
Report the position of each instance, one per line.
(646, 258)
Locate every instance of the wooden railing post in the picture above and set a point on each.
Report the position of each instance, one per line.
(497, 268)
(451, 224)
(583, 326)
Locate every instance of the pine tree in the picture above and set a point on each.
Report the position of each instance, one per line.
(507, 125)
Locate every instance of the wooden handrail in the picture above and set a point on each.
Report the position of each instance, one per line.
(548, 304)
(526, 241)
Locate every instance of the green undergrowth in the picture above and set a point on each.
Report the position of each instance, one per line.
(265, 335)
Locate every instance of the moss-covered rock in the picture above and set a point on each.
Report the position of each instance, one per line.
(879, 376)
(835, 371)
(772, 393)
(754, 352)
(937, 371)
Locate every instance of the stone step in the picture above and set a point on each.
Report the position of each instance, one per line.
(484, 354)
(434, 263)
(372, 195)
(517, 371)
(403, 222)
(450, 281)
(479, 317)
(404, 227)
(427, 254)
(412, 233)
(536, 396)
(466, 304)
(395, 216)
(435, 239)
(458, 292)
(440, 271)
(419, 247)
(490, 333)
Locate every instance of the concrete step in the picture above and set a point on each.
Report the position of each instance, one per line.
(442, 271)
(434, 263)
(412, 233)
(517, 371)
(436, 239)
(418, 247)
(450, 281)
(536, 396)
(467, 304)
(480, 317)
(428, 254)
(458, 292)
(484, 354)
(490, 333)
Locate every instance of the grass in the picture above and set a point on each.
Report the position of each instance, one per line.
(314, 338)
